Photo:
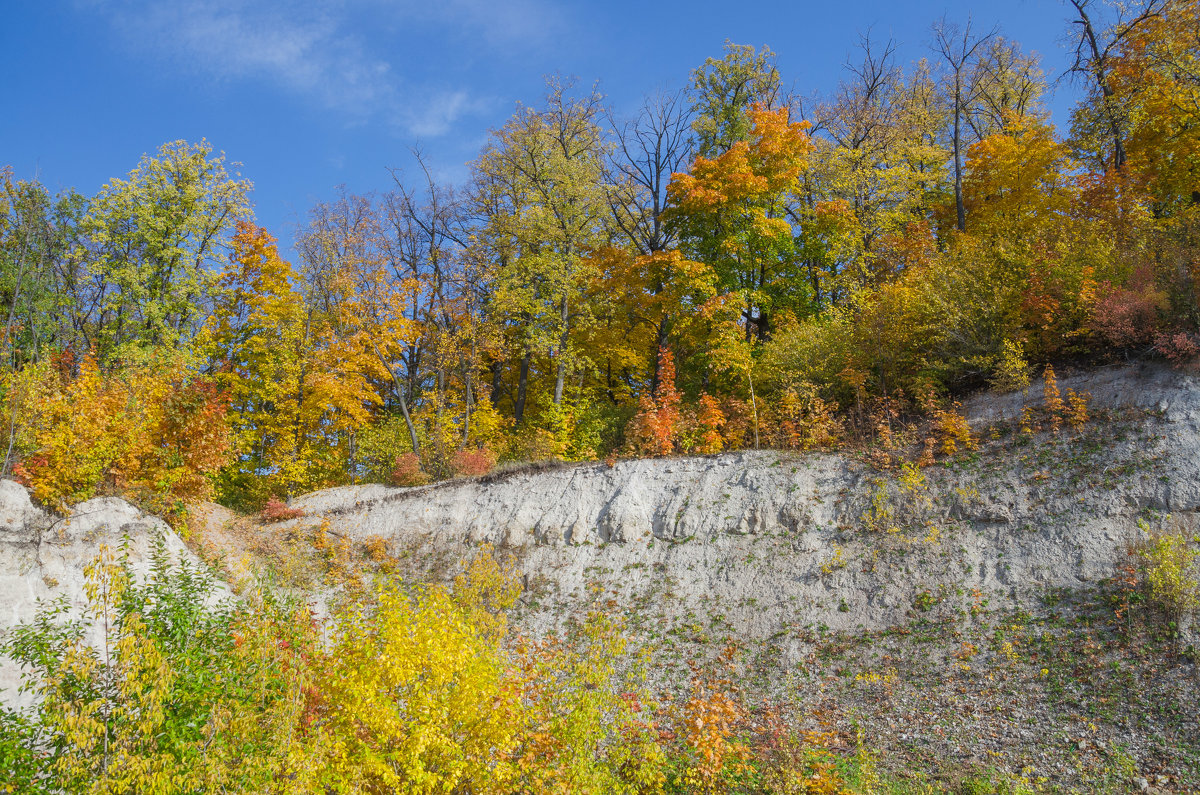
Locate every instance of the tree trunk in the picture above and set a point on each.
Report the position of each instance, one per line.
(522, 385)
(561, 371)
(467, 396)
(399, 387)
(660, 340)
(497, 381)
(958, 188)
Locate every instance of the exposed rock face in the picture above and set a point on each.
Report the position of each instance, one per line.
(755, 545)
(43, 557)
(761, 542)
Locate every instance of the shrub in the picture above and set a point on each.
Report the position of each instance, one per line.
(1128, 316)
(407, 471)
(154, 433)
(1052, 400)
(655, 430)
(416, 699)
(1012, 369)
(278, 511)
(703, 423)
(1179, 346)
(472, 462)
(1171, 568)
(529, 444)
(190, 696)
(952, 430)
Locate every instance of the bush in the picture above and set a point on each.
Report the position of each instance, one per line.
(153, 433)
(407, 471)
(472, 463)
(1171, 570)
(1179, 347)
(416, 688)
(190, 694)
(278, 511)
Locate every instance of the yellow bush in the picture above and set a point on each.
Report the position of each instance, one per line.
(1171, 566)
(415, 699)
(153, 432)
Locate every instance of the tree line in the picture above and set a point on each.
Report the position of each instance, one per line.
(734, 266)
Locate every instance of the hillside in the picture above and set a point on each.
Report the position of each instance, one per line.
(770, 540)
(962, 617)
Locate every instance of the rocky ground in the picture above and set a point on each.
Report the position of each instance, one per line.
(967, 620)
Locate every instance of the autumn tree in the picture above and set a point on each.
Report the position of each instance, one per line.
(155, 244)
(725, 90)
(649, 149)
(1018, 181)
(42, 277)
(294, 386)
(732, 210)
(360, 290)
(544, 174)
(958, 47)
(878, 165)
(1155, 72)
(1100, 124)
(1009, 84)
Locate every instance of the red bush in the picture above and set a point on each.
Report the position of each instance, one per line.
(1177, 346)
(407, 471)
(1128, 316)
(471, 462)
(277, 510)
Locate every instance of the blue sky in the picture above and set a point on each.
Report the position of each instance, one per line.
(308, 96)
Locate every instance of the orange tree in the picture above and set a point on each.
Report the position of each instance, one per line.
(731, 210)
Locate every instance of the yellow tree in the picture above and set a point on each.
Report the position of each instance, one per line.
(1018, 181)
(878, 165)
(640, 300)
(1158, 70)
(545, 204)
(293, 387)
(419, 696)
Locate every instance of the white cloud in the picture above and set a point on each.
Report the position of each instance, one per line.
(436, 113)
(315, 50)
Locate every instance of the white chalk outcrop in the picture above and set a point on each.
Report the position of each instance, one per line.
(43, 558)
(762, 542)
(754, 545)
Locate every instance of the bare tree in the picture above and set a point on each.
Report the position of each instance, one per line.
(864, 104)
(958, 46)
(1010, 86)
(1095, 53)
(649, 149)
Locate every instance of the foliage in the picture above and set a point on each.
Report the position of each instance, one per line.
(407, 471)
(590, 718)
(711, 716)
(179, 693)
(407, 687)
(654, 430)
(153, 431)
(1171, 571)
(278, 511)
(471, 463)
(804, 264)
(296, 389)
(154, 239)
(418, 696)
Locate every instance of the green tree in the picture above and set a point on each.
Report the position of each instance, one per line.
(156, 241)
(544, 175)
(41, 277)
(725, 90)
